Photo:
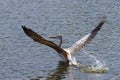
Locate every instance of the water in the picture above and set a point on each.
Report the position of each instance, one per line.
(96, 64)
(23, 59)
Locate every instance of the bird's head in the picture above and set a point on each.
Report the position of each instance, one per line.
(59, 36)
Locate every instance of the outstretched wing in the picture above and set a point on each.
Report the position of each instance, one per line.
(87, 38)
(40, 39)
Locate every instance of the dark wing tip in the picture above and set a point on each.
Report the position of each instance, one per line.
(31, 33)
(99, 26)
(26, 30)
(23, 27)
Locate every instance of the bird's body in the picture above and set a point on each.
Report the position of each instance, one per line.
(67, 54)
(70, 57)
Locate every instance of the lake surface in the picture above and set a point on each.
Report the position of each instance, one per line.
(23, 59)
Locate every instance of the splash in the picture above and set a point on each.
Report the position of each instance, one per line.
(97, 67)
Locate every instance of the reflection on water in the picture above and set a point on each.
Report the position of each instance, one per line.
(56, 74)
(59, 72)
(64, 69)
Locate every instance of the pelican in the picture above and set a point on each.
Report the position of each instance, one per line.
(67, 54)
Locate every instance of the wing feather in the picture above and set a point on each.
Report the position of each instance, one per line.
(87, 38)
(38, 38)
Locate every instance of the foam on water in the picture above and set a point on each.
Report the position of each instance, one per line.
(97, 67)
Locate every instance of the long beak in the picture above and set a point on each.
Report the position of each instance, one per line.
(57, 37)
(54, 37)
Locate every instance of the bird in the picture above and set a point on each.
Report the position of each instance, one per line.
(67, 54)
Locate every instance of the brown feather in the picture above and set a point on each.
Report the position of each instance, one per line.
(38, 38)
